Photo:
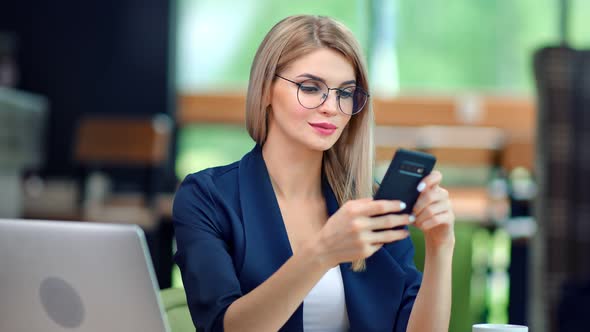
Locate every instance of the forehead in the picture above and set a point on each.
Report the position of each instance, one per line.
(325, 63)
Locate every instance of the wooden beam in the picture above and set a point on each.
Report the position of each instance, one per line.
(229, 108)
(121, 141)
(519, 154)
(516, 114)
(415, 111)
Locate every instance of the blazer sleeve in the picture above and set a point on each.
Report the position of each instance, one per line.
(203, 256)
(403, 253)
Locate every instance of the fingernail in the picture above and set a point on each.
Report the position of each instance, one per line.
(402, 205)
(411, 218)
(421, 186)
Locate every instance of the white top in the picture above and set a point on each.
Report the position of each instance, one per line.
(324, 308)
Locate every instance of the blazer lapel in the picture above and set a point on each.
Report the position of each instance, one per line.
(267, 245)
(374, 295)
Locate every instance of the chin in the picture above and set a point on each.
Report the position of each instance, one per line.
(321, 145)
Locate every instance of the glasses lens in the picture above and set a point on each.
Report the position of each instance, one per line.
(352, 99)
(312, 93)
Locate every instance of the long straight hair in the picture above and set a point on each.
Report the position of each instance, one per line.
(348, 165)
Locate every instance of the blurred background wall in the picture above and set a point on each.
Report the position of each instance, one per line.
(98, 57)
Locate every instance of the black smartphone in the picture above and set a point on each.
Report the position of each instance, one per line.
(404, 174)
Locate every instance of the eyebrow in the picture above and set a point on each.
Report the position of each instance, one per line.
(313, 77)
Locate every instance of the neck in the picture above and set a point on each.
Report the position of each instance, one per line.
(295, 171)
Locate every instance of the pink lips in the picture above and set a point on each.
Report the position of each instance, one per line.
(324, 128)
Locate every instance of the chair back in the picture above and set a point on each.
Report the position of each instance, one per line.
(176, 307)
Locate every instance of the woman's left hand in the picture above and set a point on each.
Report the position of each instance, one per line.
(434, 213)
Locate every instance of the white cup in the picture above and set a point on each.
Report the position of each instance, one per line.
(499, 328)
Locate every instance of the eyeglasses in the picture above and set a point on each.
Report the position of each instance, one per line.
(313, 93)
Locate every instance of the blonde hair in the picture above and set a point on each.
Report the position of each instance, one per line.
(348, 165)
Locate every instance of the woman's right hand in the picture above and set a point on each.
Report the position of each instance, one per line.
(352, 233)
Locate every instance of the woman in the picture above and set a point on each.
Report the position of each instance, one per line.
(286, 238)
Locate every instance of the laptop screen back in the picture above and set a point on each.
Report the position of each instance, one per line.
(58, 276)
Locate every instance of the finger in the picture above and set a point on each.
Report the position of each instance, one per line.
(430, 211)
(389, 221)
(437, 220)
(388, 236)
(428, 197)
(374, 208)
(431, 180)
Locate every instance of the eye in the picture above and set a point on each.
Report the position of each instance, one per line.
(311, 87)
(346, 93)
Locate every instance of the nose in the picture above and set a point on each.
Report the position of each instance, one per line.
(330, 106)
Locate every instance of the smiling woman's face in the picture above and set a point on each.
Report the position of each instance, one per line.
(318, 128)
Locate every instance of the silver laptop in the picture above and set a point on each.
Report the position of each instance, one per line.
(74, 276)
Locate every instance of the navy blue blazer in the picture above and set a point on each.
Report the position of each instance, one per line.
(231, 238)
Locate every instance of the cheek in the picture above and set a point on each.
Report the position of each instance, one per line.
(301, 111)
(286, 107)
(345, 122)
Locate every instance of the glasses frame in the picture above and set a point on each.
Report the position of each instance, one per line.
(327, 95)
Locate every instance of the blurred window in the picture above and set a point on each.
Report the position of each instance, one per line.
(432, 47)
